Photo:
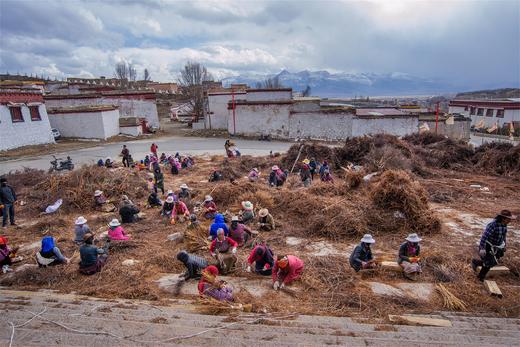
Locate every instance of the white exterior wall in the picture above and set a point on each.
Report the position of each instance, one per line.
(88, 125)
(28, 132)
(127, 107)
(385, 125)
(218, 108)
(252, 120)
(509, 115)
(274, 95)
(131, 130)
(317, 125)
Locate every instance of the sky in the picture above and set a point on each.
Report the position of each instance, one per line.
(464, 42)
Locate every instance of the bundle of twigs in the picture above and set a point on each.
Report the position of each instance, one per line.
(450, 301)
(196, 239)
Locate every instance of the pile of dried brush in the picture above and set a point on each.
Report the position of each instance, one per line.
(450, 301)
(77, 188)
(226, 193)
(425, 138)
(499, 158)
(25, 178)
(309, 151)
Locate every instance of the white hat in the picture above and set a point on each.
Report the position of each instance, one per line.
(184, 186)
(114, 223)
(98, 193)
(208, 198)
(367, 238)
(234, 219)
(169, 199)
(413, 238)
(255, 169)
(81, 220)
(275, 167)
(247, 205)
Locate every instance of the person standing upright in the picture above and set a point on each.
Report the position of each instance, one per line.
(7, 198)
(126, 155)
(153, 149)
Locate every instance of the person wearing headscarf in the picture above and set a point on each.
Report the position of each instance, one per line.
(159, 180)
(7, 255)
(49, 254)
(80, 228)
(277, 177)
(327, 177)
(263, 258)
(323, 167)
(254, 175)
(194, 265)
(153, 200)
(247, 214)
(224, 250)
(361, 257)
(116, 231)
(174, 169)
(92, 258)
(265, 220)
(409, 256)
(218, 223)
(492, 244)
(210, 286)
(128, 211)
(287, 269)
(239, 232)
(210, 208)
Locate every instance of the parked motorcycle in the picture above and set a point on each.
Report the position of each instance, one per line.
(63, 164)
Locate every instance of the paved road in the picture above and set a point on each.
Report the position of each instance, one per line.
(139, 148)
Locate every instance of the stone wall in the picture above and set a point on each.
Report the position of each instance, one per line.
(318, 125)
(398, 126)
(253, 120)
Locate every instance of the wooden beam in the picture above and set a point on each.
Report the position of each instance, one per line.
(390, 265)
(435, 322)
(492, 288)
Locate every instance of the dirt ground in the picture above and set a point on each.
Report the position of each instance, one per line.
(305, 227)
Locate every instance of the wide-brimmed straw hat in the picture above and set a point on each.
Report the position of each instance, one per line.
(413, 238)
(114, 223)
(507, 214)
(98, 193)
(81, 220)
(169, 199)
(208, 198)
(367, 238)
(275, 167)
(306, 161)
(247, 205)
(263, 212)
(184, 186)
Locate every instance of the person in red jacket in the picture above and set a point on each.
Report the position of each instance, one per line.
(153, 149)
(220, 249)
(287, 269)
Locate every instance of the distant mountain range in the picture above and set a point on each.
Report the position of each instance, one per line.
(326, 84)
(502, 93)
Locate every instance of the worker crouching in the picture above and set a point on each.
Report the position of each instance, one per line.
(211, 286)
(263, 258)
(408, 257)
(287, 269)
(362, 258)
(224, 250)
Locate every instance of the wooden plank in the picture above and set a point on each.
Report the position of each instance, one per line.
(434, 322)
(496, 270)
(492, 288)
(390, 265)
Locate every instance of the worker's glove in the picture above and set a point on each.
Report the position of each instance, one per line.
(482, 253)
(234, 250)
(282, 286)
(210, 238)
(276, 285)
(248, 269)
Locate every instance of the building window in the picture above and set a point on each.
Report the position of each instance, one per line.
(480, 112)
(489, 112)
(466, 108)
(472, 110)
(35, 113)
(500, 113)
(16, 114)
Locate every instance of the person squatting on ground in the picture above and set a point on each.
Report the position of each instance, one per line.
(116, 231)
(128, 211)
(263, 258)
(7, 255)
(210, 286)
(210, 208)
(287, 269)
(361, 257)
(7, 199)
(193, 263)
(153, 200)
(247, 214)
(409, 256)
(218, 223)
(180, 211)
(220, 250)
(265, 220)
(80, 229)
(492, 244)
(92, 258)
(50, 254)
(254, 175)
(240, 233)
(277, 177)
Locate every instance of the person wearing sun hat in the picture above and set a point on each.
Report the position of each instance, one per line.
(210, 208)
(408, 257)
(247, 214)
(361, 257)
(167, 207)
(305, 173)
(277, 177)
(185, 194)
(287, 268)
(265, 220)
(493, 243)
(116, 231)
(99, 198)
(80, 228)
(240, 232)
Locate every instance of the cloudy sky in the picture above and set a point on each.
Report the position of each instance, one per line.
(460, 41)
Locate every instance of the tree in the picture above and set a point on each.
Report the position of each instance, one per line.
(270, 83)
(307, 91)
(125, 72)
(192, 78)
(146, 75)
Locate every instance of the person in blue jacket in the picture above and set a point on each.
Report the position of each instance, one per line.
(217, 224)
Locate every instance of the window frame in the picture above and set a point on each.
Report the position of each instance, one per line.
(488, 111)
(500, 113)
(480, 114)
(13, 119)
(472, 111)
(37, 108)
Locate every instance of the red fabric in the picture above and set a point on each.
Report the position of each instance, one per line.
(292, 272)
(3, 240)
(118, 234)
(231, 242)
(180, 209)
(210, 206)
(213, 271)
(253, 257)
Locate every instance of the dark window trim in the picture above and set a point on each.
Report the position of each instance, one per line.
(37, 108)
(11, 108)
(488, 111)
(500, 113)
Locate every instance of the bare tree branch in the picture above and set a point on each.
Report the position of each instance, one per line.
(270, 83)
(191, 80)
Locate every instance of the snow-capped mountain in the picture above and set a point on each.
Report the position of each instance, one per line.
(326, 84)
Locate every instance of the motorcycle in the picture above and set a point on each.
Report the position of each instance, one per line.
(63, 164)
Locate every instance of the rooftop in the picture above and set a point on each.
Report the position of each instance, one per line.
(81, 109)
(387, 111)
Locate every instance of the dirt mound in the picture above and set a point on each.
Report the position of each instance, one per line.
(499, 158)
(77, 188)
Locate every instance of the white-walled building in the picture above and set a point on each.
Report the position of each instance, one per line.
(88, 122)
(491, 111)
(23, 119)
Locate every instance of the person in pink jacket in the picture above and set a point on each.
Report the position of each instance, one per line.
(180, 211)
(287, 269)
(116, 231)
